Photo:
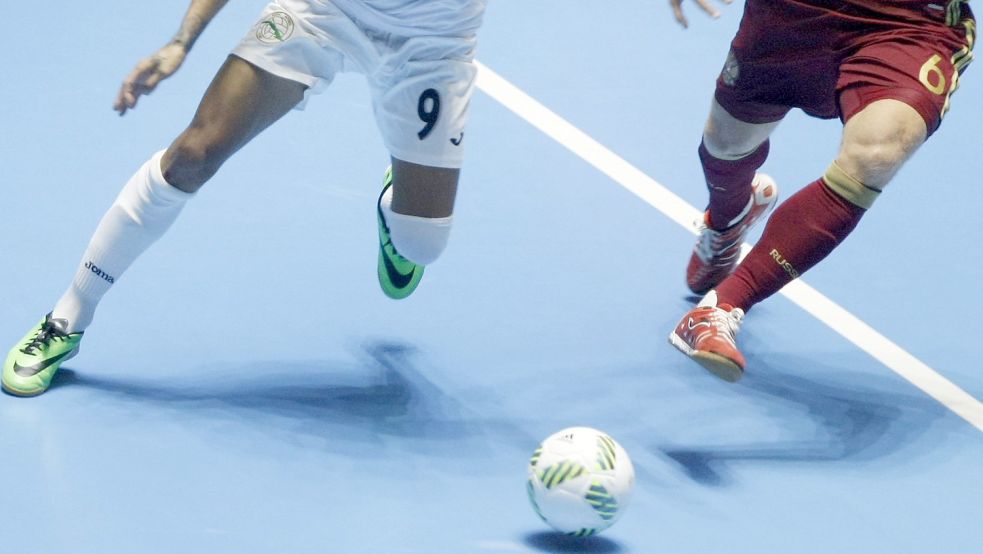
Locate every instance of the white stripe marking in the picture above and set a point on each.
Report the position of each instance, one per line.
(675, 208)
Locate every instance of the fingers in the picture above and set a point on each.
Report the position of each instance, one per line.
(677, 11)
(120, 105)
(141, 80)
(150, 83)
(709, 8)
(127, 97)
(705, 5)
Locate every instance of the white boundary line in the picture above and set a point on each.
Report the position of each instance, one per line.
(675, 208)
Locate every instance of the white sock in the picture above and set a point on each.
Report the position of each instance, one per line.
(142, 212)
(418, 239)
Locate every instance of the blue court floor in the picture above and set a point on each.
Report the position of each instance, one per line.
(246, 388)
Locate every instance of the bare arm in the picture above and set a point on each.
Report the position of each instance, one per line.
(705, 5)
(150, 71)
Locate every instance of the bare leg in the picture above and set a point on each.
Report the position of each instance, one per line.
(803, 231)
(423, 191)
(242, 101)
(809, 225)
(878, 140)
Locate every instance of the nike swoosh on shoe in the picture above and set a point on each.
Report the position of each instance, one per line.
(31, 370)
(398, 279)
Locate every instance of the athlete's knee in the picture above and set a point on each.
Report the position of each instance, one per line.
(728, 138)
(874, 160)
(879, 139)
(730, 146)
(192, 160)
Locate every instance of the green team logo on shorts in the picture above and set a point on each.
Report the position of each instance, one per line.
(276, 27)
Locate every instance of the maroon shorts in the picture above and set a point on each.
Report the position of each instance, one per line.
(833, 60)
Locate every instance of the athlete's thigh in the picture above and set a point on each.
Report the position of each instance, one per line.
(917, 62)
(241, 101)
(894, 91)
(269, 72)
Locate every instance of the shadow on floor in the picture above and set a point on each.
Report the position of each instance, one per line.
(554, 541)
(850, 418)
(381, 400)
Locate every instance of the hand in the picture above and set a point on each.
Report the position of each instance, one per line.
(147, 74)
(677, 10)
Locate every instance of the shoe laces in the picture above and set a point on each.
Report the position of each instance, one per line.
(49, 332)
(712, 243)
(725, 322)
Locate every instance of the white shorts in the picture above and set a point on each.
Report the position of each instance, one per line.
(421, 86)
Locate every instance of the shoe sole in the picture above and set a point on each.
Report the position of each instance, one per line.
(722, 367)
(21, 394)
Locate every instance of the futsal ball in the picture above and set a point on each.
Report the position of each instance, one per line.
(580, 481)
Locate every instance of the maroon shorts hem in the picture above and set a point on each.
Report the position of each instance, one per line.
(748, 112)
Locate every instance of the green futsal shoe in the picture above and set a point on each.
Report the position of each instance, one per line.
(32, 364)
(398, 276)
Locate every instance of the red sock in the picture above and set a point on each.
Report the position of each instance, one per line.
(801, 232)
(729, 183)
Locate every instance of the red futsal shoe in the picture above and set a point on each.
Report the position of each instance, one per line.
(706, 334)
(716, 252)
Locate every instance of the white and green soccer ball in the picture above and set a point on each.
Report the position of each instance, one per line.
(580, 481)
